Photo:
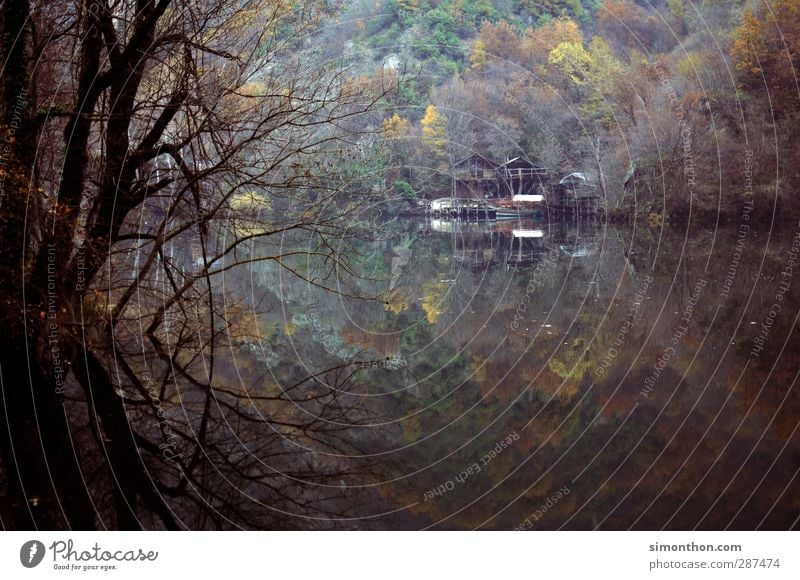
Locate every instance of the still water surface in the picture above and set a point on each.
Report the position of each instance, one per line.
(557, 375)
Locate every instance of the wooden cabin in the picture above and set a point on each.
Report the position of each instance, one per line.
(476, 177)
(521, 176)
(481, 178)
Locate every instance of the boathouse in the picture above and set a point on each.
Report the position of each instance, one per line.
(478, 177)
(520, 176)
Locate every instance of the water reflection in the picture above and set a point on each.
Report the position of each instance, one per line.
(560, 375)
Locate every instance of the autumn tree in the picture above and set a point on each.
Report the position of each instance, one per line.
(765, 47)
(477, 56)
(539, 42)
(155, 147)
(434, 137)
(500, 41)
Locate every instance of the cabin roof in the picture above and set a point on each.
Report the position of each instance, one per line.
(522, 162)
(572, 177)
(479, 157)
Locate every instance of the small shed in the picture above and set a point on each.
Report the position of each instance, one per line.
(576, 191)
(574, 180)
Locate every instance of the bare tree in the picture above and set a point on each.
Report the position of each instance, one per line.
(162, 145)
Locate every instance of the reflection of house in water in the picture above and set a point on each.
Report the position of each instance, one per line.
(579, 244)
(577, 252)
(527, 247)
(474, 243)
(517, 243)
(483, 244)
(518, 180)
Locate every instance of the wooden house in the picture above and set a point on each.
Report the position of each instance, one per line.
(475, 177)
(521, 176)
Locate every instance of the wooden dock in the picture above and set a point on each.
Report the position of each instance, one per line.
(459, 208)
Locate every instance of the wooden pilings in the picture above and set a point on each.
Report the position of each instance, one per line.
(465, 213)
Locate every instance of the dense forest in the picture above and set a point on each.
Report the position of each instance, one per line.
(668, 106)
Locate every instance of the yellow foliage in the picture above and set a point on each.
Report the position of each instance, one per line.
(690, 65)
(412, 429)
(596, 67)
(676, 8)
(478, 368)
(250, 201)
(477, 57)
(539, 42)
(433, 294)
(408, 5)
(247, 213)
(748, 44)
(252, 89)
(569, 362)
(571, 59)
(394, 127)
(433, 128)
(602, 60)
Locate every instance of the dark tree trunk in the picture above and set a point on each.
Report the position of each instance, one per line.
(47, 488)
(130, 479)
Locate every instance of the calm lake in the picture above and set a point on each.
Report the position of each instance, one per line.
(550, 374)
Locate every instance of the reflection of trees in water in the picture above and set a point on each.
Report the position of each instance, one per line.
(554, 377)
(637, 460)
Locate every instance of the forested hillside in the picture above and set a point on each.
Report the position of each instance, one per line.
(666, 106)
